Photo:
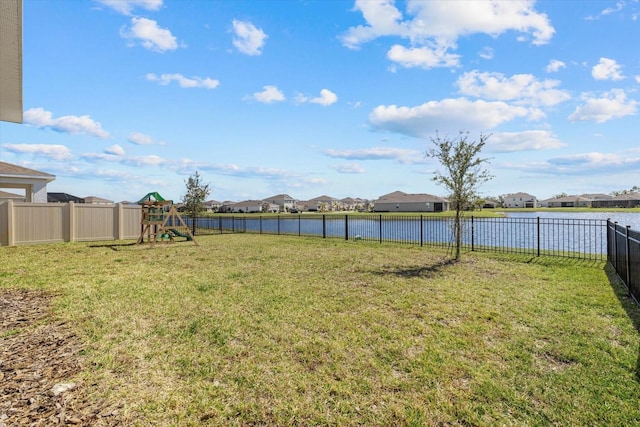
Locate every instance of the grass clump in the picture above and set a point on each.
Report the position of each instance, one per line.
(276, 330)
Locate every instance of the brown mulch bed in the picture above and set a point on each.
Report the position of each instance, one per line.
(39, 359)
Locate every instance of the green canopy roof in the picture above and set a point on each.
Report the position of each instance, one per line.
(151, 197)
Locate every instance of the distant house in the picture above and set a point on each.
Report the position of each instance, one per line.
(565, 202)
(581, 201)
(322, 204)
(247, 206)
(403, 202)
(629, 200)
(10, 196)
(520, 200)
(63, 198)
(491, 203)
(33, 182)
(596, 196)
(212, 205)
(93, 200)
(354, 204)
(226, 207)
(284, 201)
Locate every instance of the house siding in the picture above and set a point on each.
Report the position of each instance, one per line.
(404, 207)
(520, 200)
(403, 202)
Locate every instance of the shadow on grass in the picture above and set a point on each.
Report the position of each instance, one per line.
(113, 246)
(418, 270)
(628, 303)
(546, 260)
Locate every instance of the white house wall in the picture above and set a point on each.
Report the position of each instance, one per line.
(39, 192)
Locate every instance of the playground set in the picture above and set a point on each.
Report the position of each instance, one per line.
(161, 222)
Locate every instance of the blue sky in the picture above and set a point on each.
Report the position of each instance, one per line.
(337, 98)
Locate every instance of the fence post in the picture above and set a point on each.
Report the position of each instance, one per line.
(119, 222)
(380, 218)
(11, 226)
(615, 247)
(324, 227)
(472, 234)
(71, 209)
(421, 231)
(346, 227)
(538, 233)
(299, 225)
(628, 249)
(608, 239)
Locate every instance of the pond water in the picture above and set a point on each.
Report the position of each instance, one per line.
(623, 218)
(551, 232)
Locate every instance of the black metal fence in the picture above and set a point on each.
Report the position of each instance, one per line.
(572, 238)
(623, 252)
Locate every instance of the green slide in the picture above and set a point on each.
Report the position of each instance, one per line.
(179, 234)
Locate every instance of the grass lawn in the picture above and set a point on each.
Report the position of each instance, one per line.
(277, 330)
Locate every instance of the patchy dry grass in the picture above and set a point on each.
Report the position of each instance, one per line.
(251, 329)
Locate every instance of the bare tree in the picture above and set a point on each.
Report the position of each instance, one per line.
(194, 200)
(463, 174)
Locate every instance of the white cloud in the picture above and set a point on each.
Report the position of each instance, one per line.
(555, 65)
(637, 78)
(268, 95)
(41, 118)
(115, 150)
(248, 39)
(140, 138)
(184, 82)
(610, 10)
(150, 160)
(613, 104)
(607, 69)
(55, 152)
(401, 155)
(592, 163)
(325, 99)
(150, 35)
(522, 88)
(115, 156)
(382, 18)
(454, 19)
(523, 141)
(186, 166)
(442, 23)
(125, 7)
(486, 53)
(448, 115)
(423, 57)
(620, 5)
(590, 158)
(107, 157)
(348, 168)
(115, 175)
